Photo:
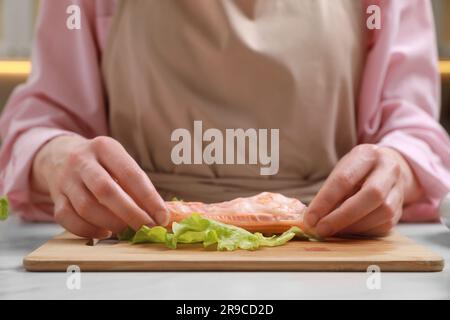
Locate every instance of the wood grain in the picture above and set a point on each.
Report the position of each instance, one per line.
(393, 253)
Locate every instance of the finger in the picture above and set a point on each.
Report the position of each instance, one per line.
(382, 230)
(109, 194)
(383, 214)
(372, 194)
(349, 172)
(132, 179)
(65, 215)
(90, 210)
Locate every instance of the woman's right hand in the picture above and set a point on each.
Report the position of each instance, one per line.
(96, 186)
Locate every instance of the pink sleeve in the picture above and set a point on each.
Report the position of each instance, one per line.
(399, 104)
(62, 96)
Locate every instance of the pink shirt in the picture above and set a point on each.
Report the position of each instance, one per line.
(398, 107)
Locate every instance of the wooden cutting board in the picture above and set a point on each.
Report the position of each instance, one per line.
(393, 253)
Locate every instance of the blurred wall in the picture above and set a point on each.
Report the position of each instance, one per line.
(442, 17)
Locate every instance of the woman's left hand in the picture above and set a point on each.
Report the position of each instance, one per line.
(364, 195)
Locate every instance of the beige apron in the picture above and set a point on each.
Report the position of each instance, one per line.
(292, 65)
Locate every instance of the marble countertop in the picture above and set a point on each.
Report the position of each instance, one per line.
(17, 239)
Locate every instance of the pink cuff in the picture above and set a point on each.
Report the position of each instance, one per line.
(16, 176)
(429, 170)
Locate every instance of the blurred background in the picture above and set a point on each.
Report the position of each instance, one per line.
(17, 19)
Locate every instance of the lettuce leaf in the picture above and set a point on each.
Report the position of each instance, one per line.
(4, 208)
(152, 235)
(197, 229)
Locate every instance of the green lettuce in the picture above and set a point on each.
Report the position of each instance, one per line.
(197, 229)
(4, 208)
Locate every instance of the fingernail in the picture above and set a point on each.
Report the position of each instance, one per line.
(311, 219)
(324, 229)
(162, 217)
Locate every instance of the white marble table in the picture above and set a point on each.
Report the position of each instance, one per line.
(18, 239)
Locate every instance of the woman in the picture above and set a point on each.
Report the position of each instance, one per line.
(87, 139)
